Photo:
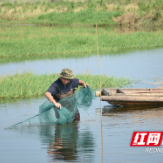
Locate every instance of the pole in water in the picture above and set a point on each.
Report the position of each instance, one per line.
(99, 66)
(100, 90)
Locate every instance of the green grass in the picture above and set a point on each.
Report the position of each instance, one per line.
(19, 42)
(83, 17)
(79, 12)
(29, 84)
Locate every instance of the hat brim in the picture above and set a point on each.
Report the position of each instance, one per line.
(66, 77)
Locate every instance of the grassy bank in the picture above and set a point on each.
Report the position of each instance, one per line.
(29, 85)
(129, 12)
(63, 42)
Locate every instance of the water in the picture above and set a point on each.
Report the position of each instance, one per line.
(80, 141)
(83, 141)
(143, 65)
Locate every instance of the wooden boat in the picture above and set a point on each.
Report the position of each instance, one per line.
(132, 97)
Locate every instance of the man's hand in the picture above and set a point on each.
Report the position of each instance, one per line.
(58, 105)
(82, 83)
(85, 85)
(51, 99)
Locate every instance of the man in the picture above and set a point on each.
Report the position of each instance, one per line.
(63, 87)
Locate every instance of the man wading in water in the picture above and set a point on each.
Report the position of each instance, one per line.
(63, 87)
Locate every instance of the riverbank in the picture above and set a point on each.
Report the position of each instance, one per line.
(29, 84)
(30, 42)
(106, 12)
(67, 29)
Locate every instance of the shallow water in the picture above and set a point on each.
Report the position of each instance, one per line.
(77, 142)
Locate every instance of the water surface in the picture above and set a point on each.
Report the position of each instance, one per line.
(77, 142)
(143, 65)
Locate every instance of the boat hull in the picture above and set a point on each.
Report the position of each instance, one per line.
(133, 97)
(137, 103)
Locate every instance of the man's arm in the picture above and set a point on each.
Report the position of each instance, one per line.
(51, 99)
(82, 83)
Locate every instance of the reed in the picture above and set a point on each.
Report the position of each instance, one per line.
(29, 84)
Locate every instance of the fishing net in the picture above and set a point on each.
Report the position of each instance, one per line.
(48, 113)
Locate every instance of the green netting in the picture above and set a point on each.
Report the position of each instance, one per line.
(48, 113)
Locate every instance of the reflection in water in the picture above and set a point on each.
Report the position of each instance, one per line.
(150, 28)
(134, 114)
(122, 109)
(64, 142)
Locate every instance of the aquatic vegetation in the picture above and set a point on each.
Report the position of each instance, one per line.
(18, 42)
(29, 84)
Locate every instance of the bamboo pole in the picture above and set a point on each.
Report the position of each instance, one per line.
(99, 66)
(100, 89)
